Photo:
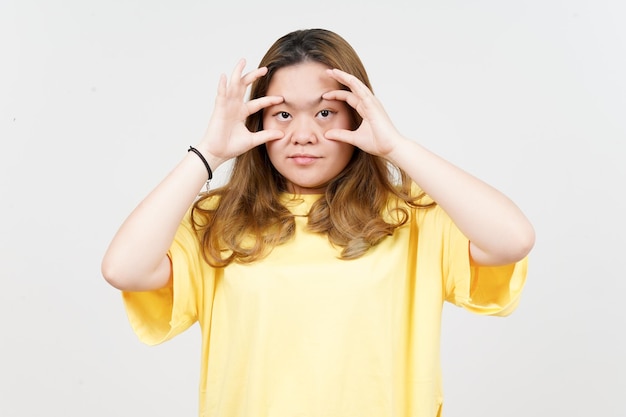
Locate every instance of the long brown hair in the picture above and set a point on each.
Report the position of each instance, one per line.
(243, 220)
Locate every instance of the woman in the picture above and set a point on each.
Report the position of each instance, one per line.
(318, 272)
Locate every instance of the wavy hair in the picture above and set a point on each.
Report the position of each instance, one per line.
(243, 220)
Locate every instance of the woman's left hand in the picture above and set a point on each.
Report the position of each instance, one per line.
(376, 135)
(497, 229)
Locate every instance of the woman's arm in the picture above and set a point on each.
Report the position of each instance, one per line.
(136, 259)
(498, 231)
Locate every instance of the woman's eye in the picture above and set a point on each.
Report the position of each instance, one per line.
(283, 115)
(325, 113)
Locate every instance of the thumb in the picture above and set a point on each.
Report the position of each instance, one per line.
(264, 136)
(341, 135)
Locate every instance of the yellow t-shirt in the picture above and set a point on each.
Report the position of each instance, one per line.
(302, 333)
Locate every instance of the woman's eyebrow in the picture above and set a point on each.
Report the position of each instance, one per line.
(307, 104)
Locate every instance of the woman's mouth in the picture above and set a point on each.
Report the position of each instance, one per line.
(303, 159)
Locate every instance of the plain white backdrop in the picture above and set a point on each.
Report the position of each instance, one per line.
(99, 100)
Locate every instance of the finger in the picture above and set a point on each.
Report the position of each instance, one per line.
(341, 135)
(238, 70)
(253, 75)
(342, 95)
(234, 87)
(350, 81)
(262, 102)
(264, 136)
(221, 85)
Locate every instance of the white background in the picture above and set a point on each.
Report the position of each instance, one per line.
(100, 99)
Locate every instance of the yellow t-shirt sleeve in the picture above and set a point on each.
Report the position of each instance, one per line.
(487, 290)
(159, 315)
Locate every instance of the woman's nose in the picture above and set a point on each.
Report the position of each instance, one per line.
(303, 131)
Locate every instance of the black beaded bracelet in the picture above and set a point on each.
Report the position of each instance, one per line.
(206, 164)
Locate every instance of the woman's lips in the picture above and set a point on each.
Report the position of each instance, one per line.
(303, 159)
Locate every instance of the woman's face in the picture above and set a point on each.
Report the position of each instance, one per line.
(306, 159)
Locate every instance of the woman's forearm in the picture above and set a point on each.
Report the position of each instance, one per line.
(498, 230)
(136, 258)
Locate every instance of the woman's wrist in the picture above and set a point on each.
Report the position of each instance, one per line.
(204, 161)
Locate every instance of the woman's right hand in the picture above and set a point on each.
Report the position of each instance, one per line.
(136, 259)
(227, 135)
